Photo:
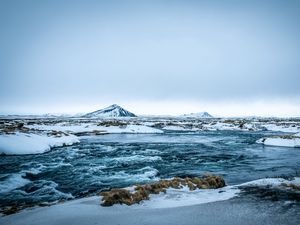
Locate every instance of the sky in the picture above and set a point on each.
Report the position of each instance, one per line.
(229, 58)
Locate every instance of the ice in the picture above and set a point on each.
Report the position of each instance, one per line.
(293, 141)
(281, 128)
(90, 127)
(173, 128)
(272, 182)
(185, 197)
(136, 129)
(221, 126)
(28, 143)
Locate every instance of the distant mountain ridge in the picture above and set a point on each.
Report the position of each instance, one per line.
(199, 115)
(111, 111)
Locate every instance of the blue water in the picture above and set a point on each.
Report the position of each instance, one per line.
(119, 160)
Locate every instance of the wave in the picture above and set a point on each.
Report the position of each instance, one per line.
(135, 159)
(142, 175)
(44, 190)
(13, 182)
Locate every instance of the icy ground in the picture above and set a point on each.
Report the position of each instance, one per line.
(38, 135)
(211, 210)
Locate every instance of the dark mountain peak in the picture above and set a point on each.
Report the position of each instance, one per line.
(113, 110)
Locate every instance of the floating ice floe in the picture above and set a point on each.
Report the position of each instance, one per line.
(288, 128)
(283, 141)
(28, 143)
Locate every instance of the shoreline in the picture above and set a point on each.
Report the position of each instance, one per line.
(239, 208)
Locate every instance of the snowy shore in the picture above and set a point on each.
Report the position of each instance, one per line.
(208, 209)
(37, 139)
(35, 136)
(29, 143)
(282, 141)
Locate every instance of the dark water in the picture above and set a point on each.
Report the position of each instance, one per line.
(120, 160)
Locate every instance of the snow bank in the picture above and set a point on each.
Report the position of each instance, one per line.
(274, 182)
(174, 128)
(221, 126)
(93, 127)
(136, 129)
(281, 128)
(297, 135)
(281, 141)
(66, 128)
(185, 197)
(23, 143)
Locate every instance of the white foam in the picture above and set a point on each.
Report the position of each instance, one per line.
(13, 182)
(145, 174)
(176, 128)
(282, 128)
(136, 159)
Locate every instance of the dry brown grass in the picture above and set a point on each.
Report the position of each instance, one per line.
(142, 192)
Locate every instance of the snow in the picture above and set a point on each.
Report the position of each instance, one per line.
(281, 128)
(172, 127)
(297, 135)
(185, 197)
(93, 127)
(88, 127)
(111, 111)
(280, 141)
(198, 115)
(89, 211)
(221, 126)
(23, 143)
(275, 182)
(137, 129)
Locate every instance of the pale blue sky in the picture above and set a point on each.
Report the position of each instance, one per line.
(152, 57)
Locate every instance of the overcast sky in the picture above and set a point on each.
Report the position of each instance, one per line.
(229, 58)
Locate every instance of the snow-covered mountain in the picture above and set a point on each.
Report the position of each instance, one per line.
(111, 111)
(199, 115)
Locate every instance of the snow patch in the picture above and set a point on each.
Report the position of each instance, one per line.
(275, 182)
(293, 141)
(185, 197)
(129, 129)
(111, 111)
(23, 143)
(281, 128)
